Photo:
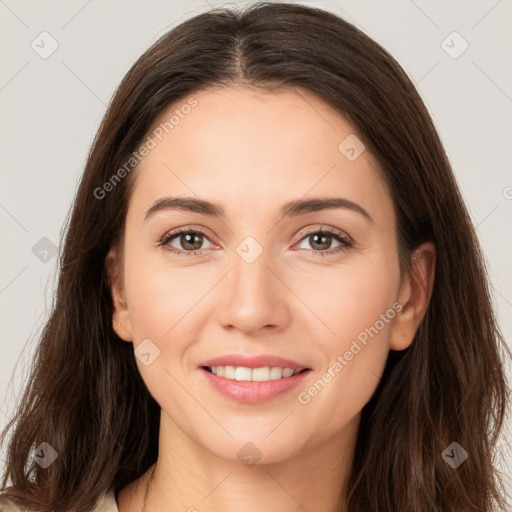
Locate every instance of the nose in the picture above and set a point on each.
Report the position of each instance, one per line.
(254, 296)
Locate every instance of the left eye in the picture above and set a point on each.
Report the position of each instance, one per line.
(323, 238)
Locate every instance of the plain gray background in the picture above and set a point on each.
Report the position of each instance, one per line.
(51, 108)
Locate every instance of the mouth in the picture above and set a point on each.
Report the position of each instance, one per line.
(244, 374)
(253, 385)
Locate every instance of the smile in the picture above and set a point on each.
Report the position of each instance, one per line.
(253, 385)
(263, 374)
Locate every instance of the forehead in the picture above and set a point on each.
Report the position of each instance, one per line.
(249, 146)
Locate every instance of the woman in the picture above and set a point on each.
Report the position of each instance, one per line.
(201, 356)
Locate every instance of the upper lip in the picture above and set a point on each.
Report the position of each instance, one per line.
(258, 361)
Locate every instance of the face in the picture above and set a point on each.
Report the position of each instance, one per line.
(319, 287)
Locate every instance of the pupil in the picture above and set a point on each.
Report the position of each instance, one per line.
(321, 237)
(188, 236)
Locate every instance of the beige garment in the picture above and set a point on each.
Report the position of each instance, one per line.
(106, 503)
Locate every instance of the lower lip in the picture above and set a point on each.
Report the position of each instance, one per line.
(253, 392)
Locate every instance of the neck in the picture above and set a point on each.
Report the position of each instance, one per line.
(189, 478)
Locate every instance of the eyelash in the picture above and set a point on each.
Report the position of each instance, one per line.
(345, 241)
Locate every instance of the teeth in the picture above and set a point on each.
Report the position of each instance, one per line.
(276, 373)
(260, 374)
(241, 373)
(229, 372)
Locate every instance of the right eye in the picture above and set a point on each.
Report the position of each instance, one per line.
(190, 240)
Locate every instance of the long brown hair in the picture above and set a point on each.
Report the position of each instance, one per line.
(85, 397)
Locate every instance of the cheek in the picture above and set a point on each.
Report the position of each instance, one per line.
(162, 302)
(357, 306)
(160, 295)
(346, 300)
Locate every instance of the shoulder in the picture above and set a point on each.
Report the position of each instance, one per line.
(106, 503)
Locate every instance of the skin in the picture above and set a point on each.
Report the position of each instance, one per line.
(251, 152)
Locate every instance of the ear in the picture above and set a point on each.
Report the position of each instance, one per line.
(121, 322)
(414, 296)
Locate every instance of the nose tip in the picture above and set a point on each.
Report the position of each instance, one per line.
(253, 298)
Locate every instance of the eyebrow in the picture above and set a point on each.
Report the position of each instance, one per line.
(291, 209)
